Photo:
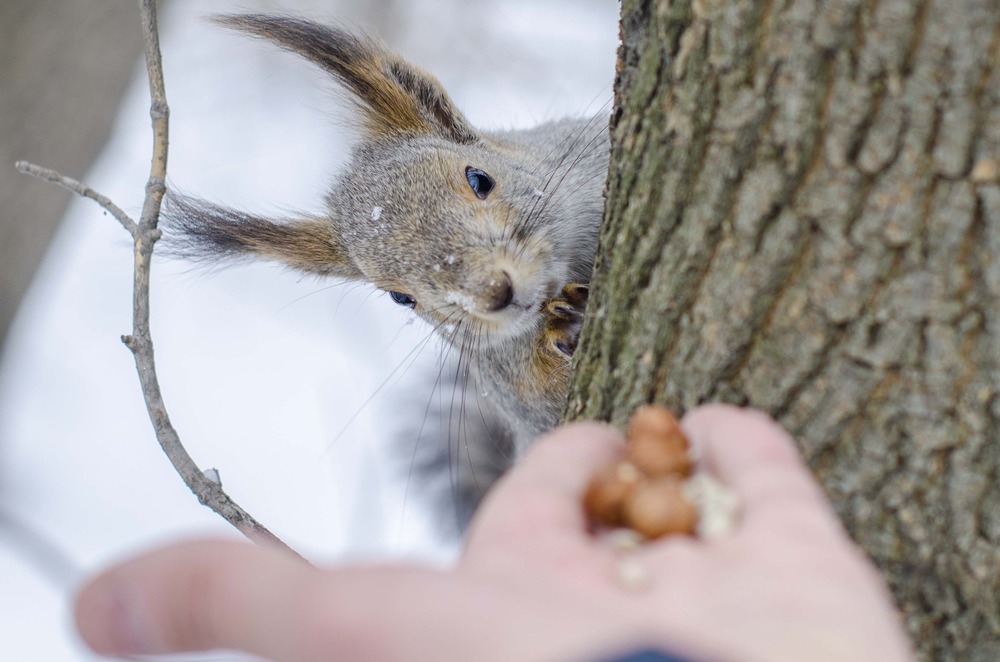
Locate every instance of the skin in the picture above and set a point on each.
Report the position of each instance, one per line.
(533, 582)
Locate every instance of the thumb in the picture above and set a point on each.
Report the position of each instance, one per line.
(203, 595)
(538, 502)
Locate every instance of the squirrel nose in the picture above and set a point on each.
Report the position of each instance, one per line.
(503, 294)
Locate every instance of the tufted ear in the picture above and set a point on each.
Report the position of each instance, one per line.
(396, 97)
(202, 232)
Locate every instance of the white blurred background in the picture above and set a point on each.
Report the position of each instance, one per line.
(261, 370)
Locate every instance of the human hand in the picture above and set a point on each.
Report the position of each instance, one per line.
(533, 583)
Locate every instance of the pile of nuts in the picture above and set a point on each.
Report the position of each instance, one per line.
(651, 491)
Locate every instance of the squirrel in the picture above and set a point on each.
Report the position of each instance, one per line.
(489, 236)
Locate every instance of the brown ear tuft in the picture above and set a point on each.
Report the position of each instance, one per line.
(397, 97)
(202, 232)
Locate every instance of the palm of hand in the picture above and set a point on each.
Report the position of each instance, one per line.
(787, 585)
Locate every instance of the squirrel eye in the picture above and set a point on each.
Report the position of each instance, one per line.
(403, 299)
(480, 183)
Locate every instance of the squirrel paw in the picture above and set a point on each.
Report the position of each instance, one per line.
(565, 319)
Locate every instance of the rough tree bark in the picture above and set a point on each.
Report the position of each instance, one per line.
(803, 213)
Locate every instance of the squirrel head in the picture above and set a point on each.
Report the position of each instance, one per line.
(456, 223)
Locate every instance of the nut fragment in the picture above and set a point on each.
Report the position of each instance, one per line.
(607, 492)
(625, 540)
(718, 506)
(658, 507)
(632, 575)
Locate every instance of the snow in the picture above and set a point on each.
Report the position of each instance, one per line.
(276, 380)
(213, 475)
(463, 301)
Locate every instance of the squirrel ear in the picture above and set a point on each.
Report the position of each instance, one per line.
(397, 97)
(200, 231)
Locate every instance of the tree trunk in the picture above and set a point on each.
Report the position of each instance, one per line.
(803, 209)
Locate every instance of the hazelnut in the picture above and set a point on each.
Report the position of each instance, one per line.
(660, 456)
(658, 507)
(607, 492)
(653, 420)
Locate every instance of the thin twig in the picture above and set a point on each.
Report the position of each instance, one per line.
(145, 234)
(208, 492)
(81, 190)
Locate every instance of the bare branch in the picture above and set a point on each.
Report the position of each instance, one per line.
(140, 342)
(81, 190)
(159, 112)
(145, 234)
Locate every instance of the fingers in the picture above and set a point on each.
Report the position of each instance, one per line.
(203, 595)
(754, 455)
(541, 496)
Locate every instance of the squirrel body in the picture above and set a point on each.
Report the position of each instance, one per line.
(488, 236)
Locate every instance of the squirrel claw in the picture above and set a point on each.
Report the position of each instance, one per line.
(562, 310)
(577, 294)
(562, 329)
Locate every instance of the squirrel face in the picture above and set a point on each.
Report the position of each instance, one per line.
(452, 231)
(463, 226)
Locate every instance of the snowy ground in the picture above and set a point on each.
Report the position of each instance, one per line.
(261, 370)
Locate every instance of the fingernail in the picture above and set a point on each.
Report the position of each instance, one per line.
(109, 619)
